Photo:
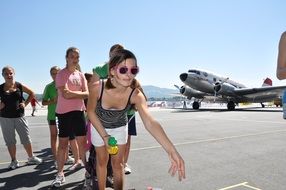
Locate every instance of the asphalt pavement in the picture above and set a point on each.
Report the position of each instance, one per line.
(223, 150)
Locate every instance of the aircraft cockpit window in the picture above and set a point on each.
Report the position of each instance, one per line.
(214, 79)
(194, 71)
(205, 74)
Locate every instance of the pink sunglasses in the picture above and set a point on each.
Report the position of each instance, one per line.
(124, 70)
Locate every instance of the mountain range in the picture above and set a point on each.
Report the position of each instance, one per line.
(157, 92)
(152, 92)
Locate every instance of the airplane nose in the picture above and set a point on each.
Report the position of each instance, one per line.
(183, 76)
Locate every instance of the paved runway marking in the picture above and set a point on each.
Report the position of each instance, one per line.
(38, 125)
(257, 121)
(199, 118)
(244, 184)
(212, 140)
(199, 141)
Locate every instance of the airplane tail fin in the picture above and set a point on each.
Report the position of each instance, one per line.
(267, 82)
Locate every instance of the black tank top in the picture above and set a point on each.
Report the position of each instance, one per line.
(112, 118)
(12, 101)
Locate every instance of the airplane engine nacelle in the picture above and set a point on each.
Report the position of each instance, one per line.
(224, 89)
(189, 92)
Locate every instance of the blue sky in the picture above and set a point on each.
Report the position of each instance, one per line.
(237, 39)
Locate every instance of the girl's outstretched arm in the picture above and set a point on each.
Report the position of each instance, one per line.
(156, 130)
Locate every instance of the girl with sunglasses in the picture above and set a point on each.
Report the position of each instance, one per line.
(108, 103)
(101, 72)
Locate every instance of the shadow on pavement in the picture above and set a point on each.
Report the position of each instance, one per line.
(32, 176)
(28, 179)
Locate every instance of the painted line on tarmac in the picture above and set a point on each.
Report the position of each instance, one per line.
(244, 184)
(256, 121)
(213, 140)
(38, 125)
(199, 141)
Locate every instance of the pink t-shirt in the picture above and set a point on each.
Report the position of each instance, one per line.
(75, 81)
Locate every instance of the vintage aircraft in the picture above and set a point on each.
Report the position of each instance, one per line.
(206, 86)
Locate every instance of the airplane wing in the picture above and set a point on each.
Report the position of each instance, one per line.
(260, 91)
(261, 94)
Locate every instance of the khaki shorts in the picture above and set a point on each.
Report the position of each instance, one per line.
(10, 126)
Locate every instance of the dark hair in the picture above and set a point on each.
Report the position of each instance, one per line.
(115, 48)
(118, 57)
(73, 49)
(55, 68)
(88, 76)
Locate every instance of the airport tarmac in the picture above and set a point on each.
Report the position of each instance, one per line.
(223, 150)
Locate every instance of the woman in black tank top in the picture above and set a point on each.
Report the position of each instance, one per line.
(107, 107)
(12, 118)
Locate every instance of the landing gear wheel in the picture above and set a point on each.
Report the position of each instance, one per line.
(230, 106)
(196, 105)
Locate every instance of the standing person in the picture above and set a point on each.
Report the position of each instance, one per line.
(33, 102)
(281, 67)
(50, 99)
(101, 72)
(72, 90)
(281, 61)
(107, 108)
(184, 104)
(12, 116)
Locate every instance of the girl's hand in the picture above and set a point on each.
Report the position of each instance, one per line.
(177, 165)
(22, 105)
(66, 93)
(54, 101)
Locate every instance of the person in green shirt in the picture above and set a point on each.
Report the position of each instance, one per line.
(50, 99)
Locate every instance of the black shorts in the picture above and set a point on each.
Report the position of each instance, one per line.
(132, 125)
(71, 124)
(54, 122)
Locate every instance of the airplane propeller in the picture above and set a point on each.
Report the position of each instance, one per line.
(177, 86)
(217, 87)
(181, 90)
